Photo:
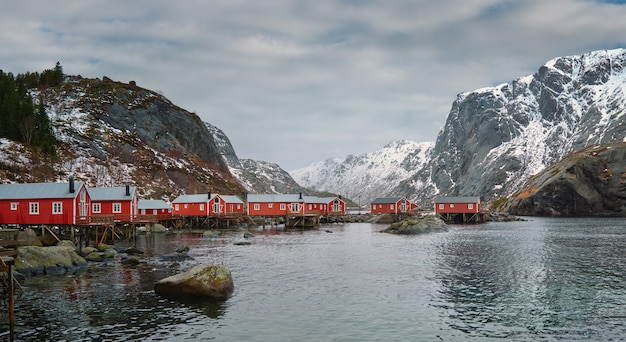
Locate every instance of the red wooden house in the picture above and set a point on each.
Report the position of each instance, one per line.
(457, 205)
(44, 203)
(119, 202)
(154, 207)
(392, 205)
(208, 205)
(325, 205)
(275, 204)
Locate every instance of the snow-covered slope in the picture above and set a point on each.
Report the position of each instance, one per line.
(369, 175)
(495, 138)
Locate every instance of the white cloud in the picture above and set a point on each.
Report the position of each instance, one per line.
(293, 82)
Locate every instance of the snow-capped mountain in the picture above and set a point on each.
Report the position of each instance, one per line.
(367, 176)
(495, 138)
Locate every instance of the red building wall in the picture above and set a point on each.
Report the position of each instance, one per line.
(69, 210)
(457, 208)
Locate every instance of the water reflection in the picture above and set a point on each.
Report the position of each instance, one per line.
(538, 279)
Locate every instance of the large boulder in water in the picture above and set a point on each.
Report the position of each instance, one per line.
(203, 281)
(417, 225)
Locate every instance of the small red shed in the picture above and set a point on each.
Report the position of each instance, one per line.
(44, 203)
(119, 202)
(392, 205)
(154, 207)
(457, 205)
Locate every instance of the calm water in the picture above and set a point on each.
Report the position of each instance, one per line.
(544, 279)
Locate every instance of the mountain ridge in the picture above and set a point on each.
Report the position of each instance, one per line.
(495, 138)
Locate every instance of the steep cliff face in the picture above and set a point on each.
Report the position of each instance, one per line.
(115, 133)
(495, 138)
(591, 181)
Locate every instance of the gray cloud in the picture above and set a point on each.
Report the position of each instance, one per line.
(293, 82)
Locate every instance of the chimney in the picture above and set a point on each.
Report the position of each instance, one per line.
(127, 190)
(209, 193)
(300, 195)
(72, 185)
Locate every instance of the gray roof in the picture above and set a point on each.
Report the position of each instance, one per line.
(273, 198)
(117, 193)
(193, 198)
(385, 200)
(38, 190)
(457, 199)
(203, 198)
(152, 204)
(231, 199)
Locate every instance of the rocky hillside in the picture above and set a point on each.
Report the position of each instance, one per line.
(495, 138)
(115, 133)
(591, 181)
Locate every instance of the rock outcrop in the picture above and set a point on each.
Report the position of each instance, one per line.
(213, 282)
(53, 260)
(589, 182)
(417, 225)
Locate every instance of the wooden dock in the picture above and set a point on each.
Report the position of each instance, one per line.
(8, 253)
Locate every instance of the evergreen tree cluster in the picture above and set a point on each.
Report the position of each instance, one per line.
(21, 119)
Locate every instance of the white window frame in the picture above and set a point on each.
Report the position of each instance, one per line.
(270, 205)
(442, 206)
(57, 208)
(96, 208)
(176, 207)
(116, 208)
(470, 205)
(283, 206)
(33, 208)
(451, 205)
(14, 205)
(201, 206)
(257, 206)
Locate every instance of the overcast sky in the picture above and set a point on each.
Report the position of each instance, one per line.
(294, 82)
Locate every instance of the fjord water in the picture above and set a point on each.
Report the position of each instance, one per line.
(541, 279)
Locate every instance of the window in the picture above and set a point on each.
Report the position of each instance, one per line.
(310, 207)
(57, 207)
(257, 206)
(95, 207)
(201, 206)
(186, 205)
(13, 205)
(391, 206)
(441, 205)
(270, 205)
(470, 206)
(451, 205)
(295, 207)
(176, 207)
(283, 206)
(117, 207)
(238, 206)
(34, 208)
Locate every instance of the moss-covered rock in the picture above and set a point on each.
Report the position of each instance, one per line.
(205, 281)
(417, 225)
(53, 260)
